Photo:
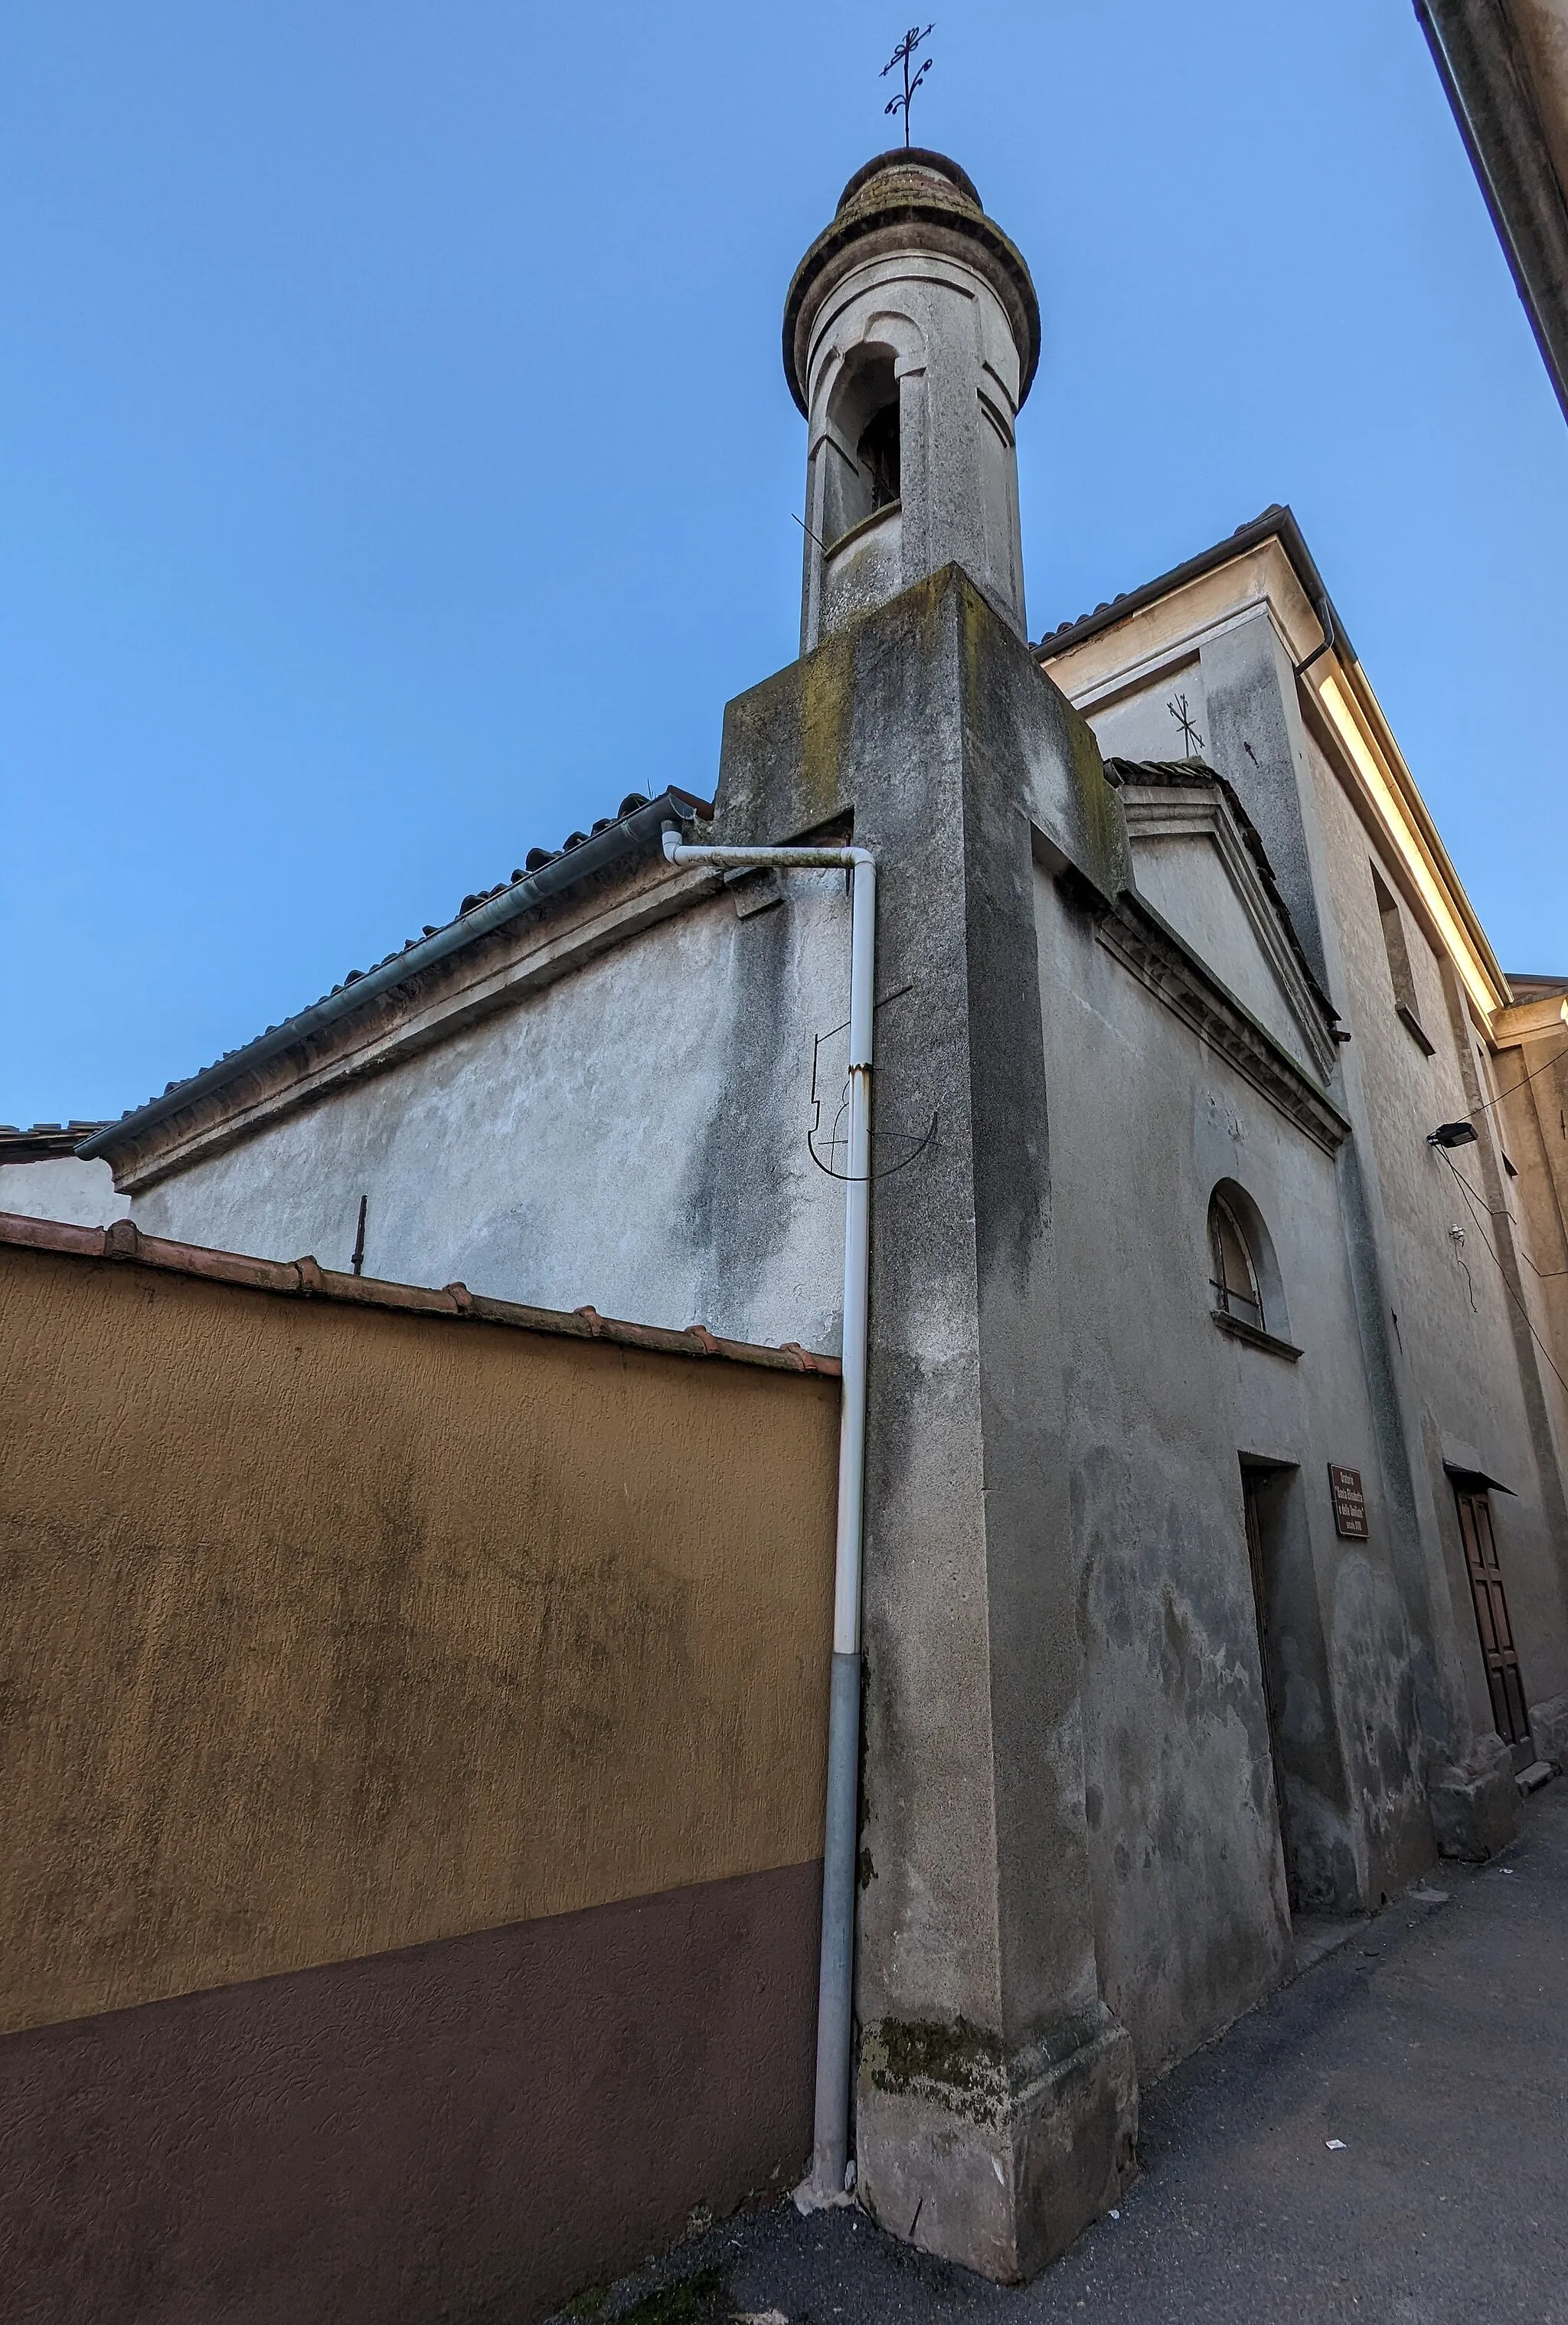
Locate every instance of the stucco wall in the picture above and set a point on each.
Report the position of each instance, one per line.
(632, 1135)
(1533, 1084)
(1455, 1321)
(1141, 724)
(335, 1632)
(1192, 1918)
(59, 1187)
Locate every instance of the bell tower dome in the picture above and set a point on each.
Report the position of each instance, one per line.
(911, 334)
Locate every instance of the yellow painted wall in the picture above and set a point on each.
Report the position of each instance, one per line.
(328, 1629)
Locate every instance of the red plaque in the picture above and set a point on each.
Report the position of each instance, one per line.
(1350, 1503)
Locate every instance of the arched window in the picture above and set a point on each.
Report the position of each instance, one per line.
(1233, 1271)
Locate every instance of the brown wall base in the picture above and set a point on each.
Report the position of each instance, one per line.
(467, 2131)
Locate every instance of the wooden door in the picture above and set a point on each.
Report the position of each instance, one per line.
(1491, 1617)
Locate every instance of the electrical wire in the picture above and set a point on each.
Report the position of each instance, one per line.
(1556, 1057)
(1502, 1271)
(1546, 1274)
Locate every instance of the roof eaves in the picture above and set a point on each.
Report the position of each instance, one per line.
(1429, 838)
(480, 917)
(45, 1141)
(1279, 523)
(1275, 523)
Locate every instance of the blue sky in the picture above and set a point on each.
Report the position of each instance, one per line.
(397, 465)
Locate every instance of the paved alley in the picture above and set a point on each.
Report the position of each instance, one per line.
(1434, 2046)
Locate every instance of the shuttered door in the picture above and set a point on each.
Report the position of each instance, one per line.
(1491, 1618)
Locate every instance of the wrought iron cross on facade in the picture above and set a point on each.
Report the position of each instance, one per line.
(901, 56)
(1178, 706)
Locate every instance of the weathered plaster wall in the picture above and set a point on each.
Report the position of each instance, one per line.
(62, 1188)
(1057, 1423)
(1190, 1890)
(1532, 1086)
(455, 2133)
(1139, 723)
(1525, 1227)
(1438, 1369)
(1454, 1322)
(337, 1630)
(413, 1765)
(631, 1137)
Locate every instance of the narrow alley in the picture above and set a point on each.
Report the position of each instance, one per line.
(1433, 2044)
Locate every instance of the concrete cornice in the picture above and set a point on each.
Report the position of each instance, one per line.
(1530, 1020)
(1276, 524)
(909, 200)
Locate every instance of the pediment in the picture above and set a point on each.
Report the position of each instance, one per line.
(1201, 866)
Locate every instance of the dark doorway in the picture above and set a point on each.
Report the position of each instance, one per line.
(1504, 1684)
(1261, 1493)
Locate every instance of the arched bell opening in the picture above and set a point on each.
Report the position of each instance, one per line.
(863, 448)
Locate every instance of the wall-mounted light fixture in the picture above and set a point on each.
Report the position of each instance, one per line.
(1452, 1134)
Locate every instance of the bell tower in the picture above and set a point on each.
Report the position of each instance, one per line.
(995, 2090)
(911, 334)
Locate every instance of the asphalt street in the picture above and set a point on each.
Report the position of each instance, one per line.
(1385, 2138)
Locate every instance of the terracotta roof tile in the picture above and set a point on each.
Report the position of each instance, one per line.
(306, 1279)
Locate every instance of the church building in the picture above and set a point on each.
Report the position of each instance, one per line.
(1216, 1541)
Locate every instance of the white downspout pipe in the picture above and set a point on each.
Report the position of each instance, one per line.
(836, 1995)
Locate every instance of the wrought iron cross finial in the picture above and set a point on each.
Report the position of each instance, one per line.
(900, 56)
(1178, 709)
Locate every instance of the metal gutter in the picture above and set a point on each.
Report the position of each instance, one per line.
(628, 835)
(826, 2182)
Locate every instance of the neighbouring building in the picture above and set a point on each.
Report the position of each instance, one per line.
(1216, 1544)
(1504, 66)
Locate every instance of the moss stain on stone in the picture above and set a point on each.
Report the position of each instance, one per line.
(965, 2063)
(827, 708)
(1104, 830)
